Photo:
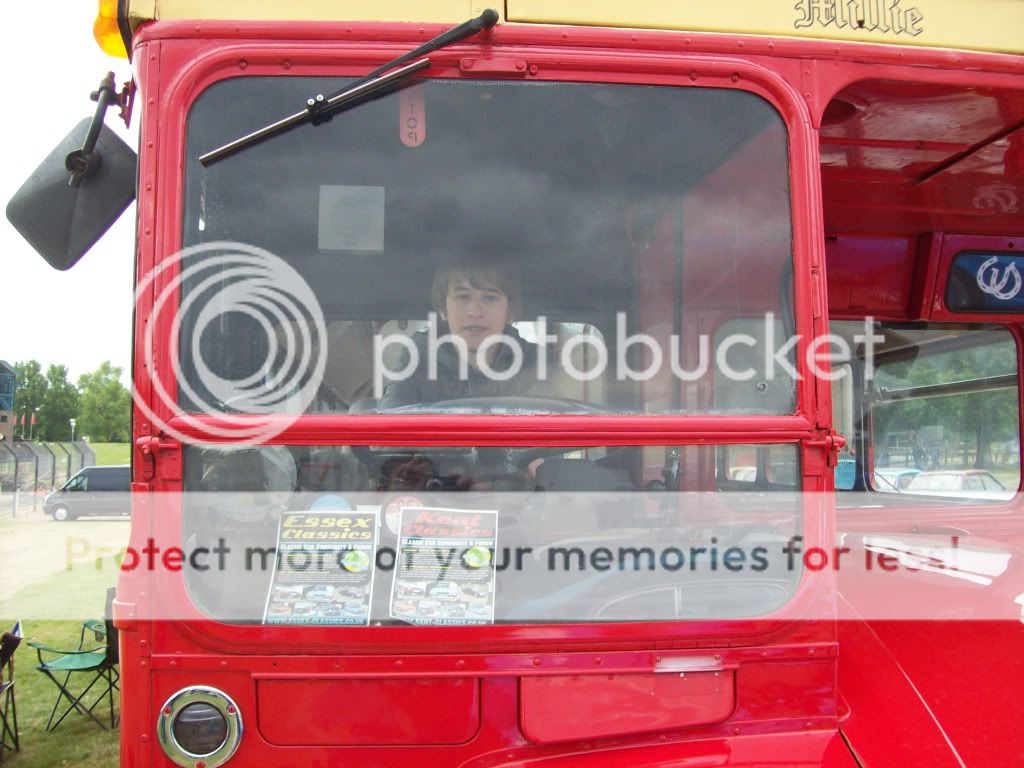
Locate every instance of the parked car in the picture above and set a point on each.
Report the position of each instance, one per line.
(968, 483)
(404, 607)
(411, 589)
(320, 592)
(743, 474)
(92, 491)
(893, 479)
(475, 590)
(444, 590)
(429, 608)
(455, 610)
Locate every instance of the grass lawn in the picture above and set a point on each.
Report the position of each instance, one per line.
(112, 453)
(77, 741)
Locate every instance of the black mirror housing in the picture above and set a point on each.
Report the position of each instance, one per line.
(63, 221)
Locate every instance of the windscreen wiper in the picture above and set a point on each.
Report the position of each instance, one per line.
(320, 108)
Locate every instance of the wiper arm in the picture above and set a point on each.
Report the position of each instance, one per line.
(320, 108)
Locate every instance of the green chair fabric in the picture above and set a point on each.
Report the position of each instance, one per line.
(77, 672)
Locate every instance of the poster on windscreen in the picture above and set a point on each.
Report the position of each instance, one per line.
(445, 568)
(323, 570)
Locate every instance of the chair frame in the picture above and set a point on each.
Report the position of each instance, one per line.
(9, 643)
(105, 670)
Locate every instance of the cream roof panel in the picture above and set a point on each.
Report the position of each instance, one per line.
(427, 11)
(983, 25)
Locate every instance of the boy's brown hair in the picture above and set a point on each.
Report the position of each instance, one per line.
(479, 276)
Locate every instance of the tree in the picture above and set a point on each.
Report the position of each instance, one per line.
(970, 422)
(29, 392)
(105, 405)
(60, 405)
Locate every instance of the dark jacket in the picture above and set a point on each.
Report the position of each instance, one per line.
(418, 389)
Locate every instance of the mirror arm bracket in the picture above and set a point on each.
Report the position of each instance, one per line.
(126, 101)
(85, 161)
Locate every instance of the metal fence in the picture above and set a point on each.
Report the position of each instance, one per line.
(87, 453)
(30, 470)
(8, 478)
(46, 465)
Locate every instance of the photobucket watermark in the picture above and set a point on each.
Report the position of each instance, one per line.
(638, 357)
(199, 290)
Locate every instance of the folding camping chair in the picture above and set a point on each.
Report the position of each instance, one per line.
(89, 665)
(9, 643)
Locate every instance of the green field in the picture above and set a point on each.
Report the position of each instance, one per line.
(78, 741)
(112, 453)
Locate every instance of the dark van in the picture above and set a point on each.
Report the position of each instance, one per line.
(92, 491)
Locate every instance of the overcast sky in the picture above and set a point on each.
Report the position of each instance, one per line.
(83, 316)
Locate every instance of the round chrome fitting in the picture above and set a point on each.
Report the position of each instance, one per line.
(199, 727)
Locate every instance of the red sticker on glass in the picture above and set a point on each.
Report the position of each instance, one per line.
(393, 511)
(412, 123)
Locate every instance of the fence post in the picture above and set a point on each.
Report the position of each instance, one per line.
(17, 489)
(14, 496)
(67, 475)
(81, 455)
(53, 466)
(35, 477)
(89, 455)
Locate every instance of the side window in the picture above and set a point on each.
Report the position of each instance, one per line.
(103, 481)
(939, 415)
(80, 483)
(990, 483)
(750, 381)
(764, 466)
(842, 422)
(738, 464)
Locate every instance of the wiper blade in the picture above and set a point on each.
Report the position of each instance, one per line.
(320, 108)
(315, 111)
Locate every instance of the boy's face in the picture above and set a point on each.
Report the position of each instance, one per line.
(475, 314)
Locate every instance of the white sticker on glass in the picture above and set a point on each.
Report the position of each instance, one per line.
(351, 218)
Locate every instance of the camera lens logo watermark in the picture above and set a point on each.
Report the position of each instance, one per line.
(257, 384)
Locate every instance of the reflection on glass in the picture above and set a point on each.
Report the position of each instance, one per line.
(613, 533)
(540, 248)
(940, 416)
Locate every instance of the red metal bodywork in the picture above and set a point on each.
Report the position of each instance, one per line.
(778, 691)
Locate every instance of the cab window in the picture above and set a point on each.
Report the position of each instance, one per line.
(938, 416)
(481, 267)
(576, 535)
(79, 483)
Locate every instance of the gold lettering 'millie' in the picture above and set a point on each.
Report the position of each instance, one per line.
(885, 16)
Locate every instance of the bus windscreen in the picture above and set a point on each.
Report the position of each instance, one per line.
(491, 247)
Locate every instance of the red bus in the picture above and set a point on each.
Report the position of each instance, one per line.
(569, 386)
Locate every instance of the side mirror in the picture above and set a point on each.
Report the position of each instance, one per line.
(62, 220)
